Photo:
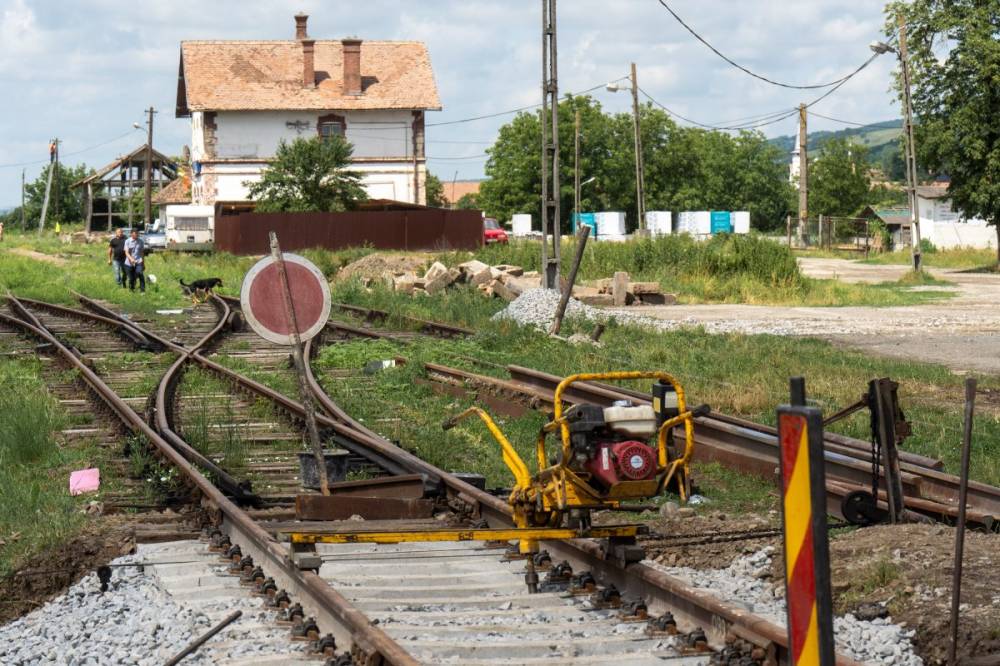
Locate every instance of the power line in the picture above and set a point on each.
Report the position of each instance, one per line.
(765, 120)
(748, 71)
(518, 110)
(887, 124)
(75, 152)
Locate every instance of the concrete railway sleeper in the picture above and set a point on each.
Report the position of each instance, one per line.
(407, 590)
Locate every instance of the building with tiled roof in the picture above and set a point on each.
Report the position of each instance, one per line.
(245, 97)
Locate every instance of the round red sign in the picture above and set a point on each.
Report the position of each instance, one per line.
(263, 303)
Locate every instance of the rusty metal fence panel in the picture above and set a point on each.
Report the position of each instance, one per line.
(430, 229)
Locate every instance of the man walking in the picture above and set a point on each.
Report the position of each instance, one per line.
(116, 256)
(134, 251)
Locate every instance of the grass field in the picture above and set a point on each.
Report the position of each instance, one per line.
(736, 374)
(739, 269)
(960, 258)
(743, 375)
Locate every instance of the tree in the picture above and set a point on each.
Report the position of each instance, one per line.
(955, 97)
(434, 191)
(468, 201)
(66, 204)
(309, 175)
(685, 169)
(839, 182)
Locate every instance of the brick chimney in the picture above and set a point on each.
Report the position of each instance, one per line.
(300, 25)
(352, 65)
(308, 62)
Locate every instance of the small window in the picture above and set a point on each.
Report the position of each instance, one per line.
(330, 129)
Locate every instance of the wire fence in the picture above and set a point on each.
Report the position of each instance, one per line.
(826, 232)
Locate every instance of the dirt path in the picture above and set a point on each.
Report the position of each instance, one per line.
(962, 332)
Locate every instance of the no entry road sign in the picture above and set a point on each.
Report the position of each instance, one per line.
(263, 302)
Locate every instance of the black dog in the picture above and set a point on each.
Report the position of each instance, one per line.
(204, 286)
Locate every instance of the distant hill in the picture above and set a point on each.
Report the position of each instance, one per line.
(882, 140)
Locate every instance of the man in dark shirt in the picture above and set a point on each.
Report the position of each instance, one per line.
(116, 256)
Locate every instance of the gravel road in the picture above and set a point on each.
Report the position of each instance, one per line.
(961, 332)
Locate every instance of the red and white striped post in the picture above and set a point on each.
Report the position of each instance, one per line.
(807, 553)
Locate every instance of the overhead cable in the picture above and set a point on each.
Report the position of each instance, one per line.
(740, 67)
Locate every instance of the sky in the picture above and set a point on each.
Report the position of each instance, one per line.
(85, 72)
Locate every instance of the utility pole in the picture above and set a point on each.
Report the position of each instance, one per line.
(149, 168)
(576, 168)
(550, 147)
(911, 156)
(53, 161)
(640, 203)
(22, 199)
(803, 175)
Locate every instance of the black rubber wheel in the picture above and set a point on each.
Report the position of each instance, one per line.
(860, 508)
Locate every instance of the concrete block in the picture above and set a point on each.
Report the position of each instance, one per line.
(510, 270)
(436, 269)
(472, 268)
(503, 291)
(619, 288)
(644, 287)
(597, 299)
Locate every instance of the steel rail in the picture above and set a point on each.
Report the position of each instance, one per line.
(424, 326)
(317, 596)
(931, 483)
(697, 607)
(129, 331)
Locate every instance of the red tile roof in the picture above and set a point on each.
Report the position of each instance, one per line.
(267, 75)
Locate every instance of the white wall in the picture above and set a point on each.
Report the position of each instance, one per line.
(381, 180)
(246, 134)
(945, 227)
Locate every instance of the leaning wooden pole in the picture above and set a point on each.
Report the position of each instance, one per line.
(582, 234)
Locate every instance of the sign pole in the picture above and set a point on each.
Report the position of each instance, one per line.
(807, 552)
(300, 366)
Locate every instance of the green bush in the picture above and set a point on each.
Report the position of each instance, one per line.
(723, 256)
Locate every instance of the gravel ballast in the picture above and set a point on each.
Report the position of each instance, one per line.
(745, 583)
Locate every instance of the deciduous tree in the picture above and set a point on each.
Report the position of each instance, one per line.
(955, 66)
(434, 191)
(309, 175)
(839, 182)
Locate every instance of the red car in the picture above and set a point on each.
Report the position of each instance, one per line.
(493, 232)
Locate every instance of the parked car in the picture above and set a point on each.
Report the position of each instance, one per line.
(493, 232)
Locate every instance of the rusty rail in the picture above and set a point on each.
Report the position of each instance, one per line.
(689, 604)
(350, 624)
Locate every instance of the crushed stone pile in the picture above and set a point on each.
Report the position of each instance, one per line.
(537, 307)
(746, 583)
(134, 622)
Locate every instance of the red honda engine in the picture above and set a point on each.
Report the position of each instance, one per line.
(622, 461)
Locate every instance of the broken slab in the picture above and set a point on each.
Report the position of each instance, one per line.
(436, 270)
(644, 287)
(472, 268)
(658, 299)
(619, 288)
(509, 269)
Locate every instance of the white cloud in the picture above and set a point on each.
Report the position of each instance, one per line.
(85, 72)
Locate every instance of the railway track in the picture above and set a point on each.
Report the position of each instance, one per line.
(929, 493)
(430, 603)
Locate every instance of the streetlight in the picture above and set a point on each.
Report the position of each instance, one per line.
(640, 204)
(880, 48)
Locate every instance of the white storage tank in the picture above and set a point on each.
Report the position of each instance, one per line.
(696, 223)
(610, 225)
(521, 224)
(741, 221)
(660, 222)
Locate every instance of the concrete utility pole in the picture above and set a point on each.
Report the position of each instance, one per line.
(911, 155)
(149, 168)
(53, 165)
(640, 187)
(22, 198)
(550, 147)
(803, 176)
(576, 168)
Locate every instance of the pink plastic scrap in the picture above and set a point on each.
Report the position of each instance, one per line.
(84, 481)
